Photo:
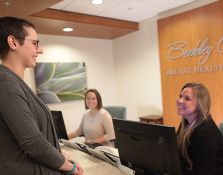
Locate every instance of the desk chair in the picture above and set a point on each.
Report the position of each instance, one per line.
(59, 125)
(221, 127)
(118, 112)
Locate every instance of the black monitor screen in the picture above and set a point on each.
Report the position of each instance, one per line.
(148, 149)
(59, 124)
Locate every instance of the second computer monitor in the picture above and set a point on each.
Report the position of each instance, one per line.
(148, 149)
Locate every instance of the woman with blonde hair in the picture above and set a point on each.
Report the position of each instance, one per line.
(199, 139)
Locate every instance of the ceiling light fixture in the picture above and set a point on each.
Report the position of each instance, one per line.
(68, 29)
(7, 4)
(97, 2)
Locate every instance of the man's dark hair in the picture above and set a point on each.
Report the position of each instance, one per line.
(12, 26)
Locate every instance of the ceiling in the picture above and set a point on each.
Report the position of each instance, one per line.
(110, 20)
(129, 10)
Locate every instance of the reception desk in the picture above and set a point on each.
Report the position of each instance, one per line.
(91, 164)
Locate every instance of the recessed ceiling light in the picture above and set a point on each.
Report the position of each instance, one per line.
(6, 3)
(68, 29)
(97, 2)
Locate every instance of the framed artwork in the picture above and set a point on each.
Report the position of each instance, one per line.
(60, 82)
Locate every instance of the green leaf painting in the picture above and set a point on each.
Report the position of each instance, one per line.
(59, 82)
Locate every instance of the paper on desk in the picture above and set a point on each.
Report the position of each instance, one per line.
(113, 153)
(107, 149)
(105, 154)
(70, 144)
(111, 156)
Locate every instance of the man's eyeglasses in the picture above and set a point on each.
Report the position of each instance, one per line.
(35, 42)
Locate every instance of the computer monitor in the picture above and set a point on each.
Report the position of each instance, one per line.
(59, 125)
(148, 149)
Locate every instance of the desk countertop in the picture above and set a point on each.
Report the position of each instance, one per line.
(90, 164)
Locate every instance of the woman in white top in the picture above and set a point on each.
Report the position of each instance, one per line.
(96, 125)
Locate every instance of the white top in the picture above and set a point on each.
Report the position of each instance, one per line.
(96, 126)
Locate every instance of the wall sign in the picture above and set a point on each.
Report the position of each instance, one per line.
(202, 51)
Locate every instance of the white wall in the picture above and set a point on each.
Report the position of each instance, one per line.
(124, 70)
(137, 71)
(96, 53)
(137, 68)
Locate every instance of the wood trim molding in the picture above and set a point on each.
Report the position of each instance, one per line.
(83, 18)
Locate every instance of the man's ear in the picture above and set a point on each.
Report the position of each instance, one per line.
(13, 43)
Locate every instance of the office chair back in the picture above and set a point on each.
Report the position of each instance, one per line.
(118, 112)
(59, 125)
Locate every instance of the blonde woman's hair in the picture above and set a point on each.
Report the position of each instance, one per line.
(203, 113)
